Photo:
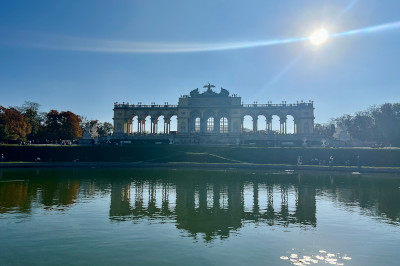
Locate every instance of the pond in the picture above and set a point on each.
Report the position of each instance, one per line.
(197, 217)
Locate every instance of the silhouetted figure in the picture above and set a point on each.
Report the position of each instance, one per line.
(299, 162)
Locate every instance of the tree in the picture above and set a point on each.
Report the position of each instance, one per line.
(325, 130)
(70, 126)
(31, 111)
(387, 123)
(15, 126)
(105, 129)
(52, 125)
(378, 123)
(64, 125)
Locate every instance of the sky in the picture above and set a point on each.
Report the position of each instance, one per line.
(83, 56)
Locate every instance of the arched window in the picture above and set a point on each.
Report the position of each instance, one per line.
(197, 124)
(210, 124)
(247, 125)
(223, 125)
(290, 125)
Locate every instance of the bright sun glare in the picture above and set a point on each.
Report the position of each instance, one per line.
(319, 37)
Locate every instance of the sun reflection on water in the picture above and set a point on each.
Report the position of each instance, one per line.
(321, 257)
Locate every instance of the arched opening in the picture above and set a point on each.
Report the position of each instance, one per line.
(173, 124)
(262, 124)
(276, 125)
(210, 124)
(247, 125)
(129, 125)
(160, 124)
(223, 125)
(146, 124)
(133, 125)
(197, 124)
(290, 127)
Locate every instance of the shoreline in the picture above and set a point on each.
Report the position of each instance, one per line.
(8, 165)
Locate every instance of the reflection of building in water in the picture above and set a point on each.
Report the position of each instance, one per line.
(199, 203)
(306, 205)
(209, 216)
(213, 208)
(139, 199)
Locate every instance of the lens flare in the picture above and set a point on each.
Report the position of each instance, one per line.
(67, 43)
(319, 37)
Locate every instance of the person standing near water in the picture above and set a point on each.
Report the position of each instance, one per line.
(331, 161)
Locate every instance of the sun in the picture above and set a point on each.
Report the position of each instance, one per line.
(319, 37)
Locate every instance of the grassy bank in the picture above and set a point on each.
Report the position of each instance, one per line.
(201, 154)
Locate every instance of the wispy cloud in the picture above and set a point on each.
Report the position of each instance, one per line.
(65, 43)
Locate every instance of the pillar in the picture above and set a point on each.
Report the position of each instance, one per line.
(217, 125)
(282, 121)
(165, 125)
(255, 124)
(203, 125)
(152, 128)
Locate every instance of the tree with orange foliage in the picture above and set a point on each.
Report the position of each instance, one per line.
(14, 126)
(62, 125)
(70, 128)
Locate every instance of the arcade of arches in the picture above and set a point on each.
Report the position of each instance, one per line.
(212, 113)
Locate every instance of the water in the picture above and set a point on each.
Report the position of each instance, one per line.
(197, 217)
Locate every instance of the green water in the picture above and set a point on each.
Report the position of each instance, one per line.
(197, 217)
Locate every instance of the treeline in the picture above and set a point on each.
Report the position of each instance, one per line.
(380, 124)
(27, 123)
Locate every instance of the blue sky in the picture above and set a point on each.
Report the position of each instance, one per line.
(83, 56)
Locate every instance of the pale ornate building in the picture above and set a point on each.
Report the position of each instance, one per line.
(210, 114)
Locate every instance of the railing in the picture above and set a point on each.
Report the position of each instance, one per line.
(279, 105)
(120, 105)
(126, 105)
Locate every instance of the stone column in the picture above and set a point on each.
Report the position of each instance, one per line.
(203, 125)
(217, 125)
(139, 126)
(255, 119)
(152, 128)
(282, 121)
(268, 121)
(165, 125)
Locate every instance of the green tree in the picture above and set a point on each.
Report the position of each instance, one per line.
(31, 111)
(325, 130)
(387, 123)
(378, 123)
(105, 129)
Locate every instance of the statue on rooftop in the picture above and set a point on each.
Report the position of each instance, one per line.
(194, 93)
(209, 86)
(224, 93)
